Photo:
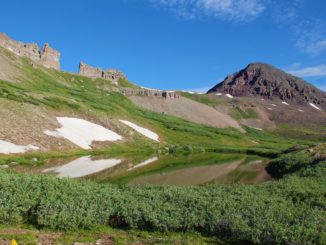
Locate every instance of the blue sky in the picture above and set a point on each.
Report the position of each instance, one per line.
(176, 44)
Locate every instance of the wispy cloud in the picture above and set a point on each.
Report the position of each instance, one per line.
(312, 71)
(285, 11)
(309, 33)
(235, 10)
(311, 37)
(199, 90)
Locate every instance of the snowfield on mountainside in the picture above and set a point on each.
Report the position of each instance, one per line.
(82, 132)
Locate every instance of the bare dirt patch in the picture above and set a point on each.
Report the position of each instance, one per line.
(187, 109)
(8, 71)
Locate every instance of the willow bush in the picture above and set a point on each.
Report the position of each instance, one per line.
(287, 211)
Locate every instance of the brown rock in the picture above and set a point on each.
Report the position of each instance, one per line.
(264, 80)
(112, 75)
(46, 56)
(50, 57)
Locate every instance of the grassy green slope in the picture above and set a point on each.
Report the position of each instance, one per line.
(287, 211)
(67, 92)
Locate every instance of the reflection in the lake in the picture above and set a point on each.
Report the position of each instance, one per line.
(144, 163)
(82, 167)
(182, 170)
(237, 171)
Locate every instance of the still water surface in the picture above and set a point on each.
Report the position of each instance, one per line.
(184, 170)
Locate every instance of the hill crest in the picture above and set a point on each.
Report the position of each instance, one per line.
(264, 80)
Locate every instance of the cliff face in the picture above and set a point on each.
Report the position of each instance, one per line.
(46, 55)
(50, 57)
(93, 72)
(269, 82)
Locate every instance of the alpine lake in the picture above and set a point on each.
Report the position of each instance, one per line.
(179, 170)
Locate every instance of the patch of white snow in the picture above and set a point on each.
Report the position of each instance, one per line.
(314, 106)
(229, 95)
(257, 128)
(285, 103)
(10, 148)
(144, 131)
(81, 132)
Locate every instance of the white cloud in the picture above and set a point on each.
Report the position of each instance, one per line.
(312, 71)
(199, 90)
(284, 12)
(311, 37)
(237, 10)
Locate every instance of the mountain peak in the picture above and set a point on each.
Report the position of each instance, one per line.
(267, 81)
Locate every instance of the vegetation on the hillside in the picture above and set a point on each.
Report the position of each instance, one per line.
(238, 113)
(287, 211)
(202, 98)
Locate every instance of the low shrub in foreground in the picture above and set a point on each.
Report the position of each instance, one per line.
(287, 211)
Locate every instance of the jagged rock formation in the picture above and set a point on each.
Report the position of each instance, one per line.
(46, 55)
(112, 75)
(50, 58)
(150, 93)
(264, 80)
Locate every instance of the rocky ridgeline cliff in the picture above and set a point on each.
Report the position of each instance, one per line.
(46, 55)
(50, 58)
(150, 93)
(112, 75)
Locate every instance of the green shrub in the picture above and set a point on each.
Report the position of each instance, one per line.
(289, 163)
(289, 211)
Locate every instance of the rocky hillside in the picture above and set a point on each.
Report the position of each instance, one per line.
(264, 80)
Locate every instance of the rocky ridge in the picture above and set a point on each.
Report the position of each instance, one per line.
(50, 58)
(45, 56)
(268, 82)
(94, 72)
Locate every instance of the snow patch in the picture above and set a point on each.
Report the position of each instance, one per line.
(188, 91)
(300, 110)
(149, 88)
(273, 105)
(314, 106)
(218, 94)
(81, 132)
(148, 161)
(285, 103)
(256, 128)
(229, 95)
(144, 131)
(10, 148)
(82, 167)
(269, 108)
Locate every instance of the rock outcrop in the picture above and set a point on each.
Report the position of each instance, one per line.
(150, 93)
(264, 80)
(50, 57)
(112, 75)
(45, 56)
